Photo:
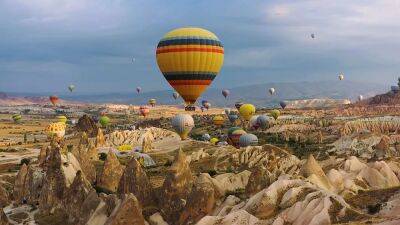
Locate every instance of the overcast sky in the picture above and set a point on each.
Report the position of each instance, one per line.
(45, 45)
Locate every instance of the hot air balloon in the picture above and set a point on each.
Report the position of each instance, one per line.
(227, 111)
(218, 120)
(234, 136)
(238, 104)
(263, 121)
(175, 95)
(283, 104)
(152, 102)
(206, 104)
(104, 121)
(214, 140)
(138, 89)
(16, 118)
(248, 140)
(225, 92)
(395, 89)
(360, 98)
(56, 130)
(206, 137)
(275, 113)
(341, 76)
(312, 36)
(246, 111)
(53, 99)
(232, 117)
(271, 91)
(190, 58)
(71, 88)
(144, 110)
(62, 119)
(253, 122)
(183, 124)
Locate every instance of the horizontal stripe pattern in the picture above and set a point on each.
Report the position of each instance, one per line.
(189, 41)
(193, 49)
(189, 82)
(190, 76)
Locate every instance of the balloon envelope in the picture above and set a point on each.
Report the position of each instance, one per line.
(218, 120)
(263, 121)
(190, 58)
(247, 111)
(341, 76)
(238, 104)
(271, 91)
(71, 87)
(138, 89)
(183, 124)
(225, 93)
(53, 99)
(144, 110)
(104, 121)
(175, 95)
(282, 104)
(16, 117)
(248, 140)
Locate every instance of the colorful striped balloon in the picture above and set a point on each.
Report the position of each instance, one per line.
(190, 58)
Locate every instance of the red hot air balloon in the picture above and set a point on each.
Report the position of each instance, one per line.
(144, 110)
(53, 99)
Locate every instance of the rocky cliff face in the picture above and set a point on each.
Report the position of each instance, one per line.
(111, 173)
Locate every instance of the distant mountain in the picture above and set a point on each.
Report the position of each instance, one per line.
(255, 94)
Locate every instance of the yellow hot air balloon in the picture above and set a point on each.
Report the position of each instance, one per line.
(218, 120)
(190, 58)
(56, 129)
(214, 140)
(62, 119)
(246, 111)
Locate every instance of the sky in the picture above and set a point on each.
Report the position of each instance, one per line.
(45, 45)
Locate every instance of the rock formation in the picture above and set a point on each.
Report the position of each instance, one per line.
(111, 173)
(134, 180)
(127, 212)
(86, 124)
(100, 139)
(19, 184)
(3, 218)
(177, 186)
(4, 197)
(259, 179)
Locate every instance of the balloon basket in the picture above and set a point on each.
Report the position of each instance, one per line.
(190, 108)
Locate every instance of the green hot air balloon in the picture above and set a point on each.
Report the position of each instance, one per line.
(275, 113)
(71, 88)
(104, 121)
(17, 118)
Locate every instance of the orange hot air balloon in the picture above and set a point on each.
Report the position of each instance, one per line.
(53, 99)
(190, 58)
(144, 110)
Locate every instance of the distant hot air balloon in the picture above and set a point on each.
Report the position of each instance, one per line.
(62, 119)
(144, 110)
(234, 134)
(104, 121)
(283, 104)
(214, 140)
(56, 129)
(71, 88)
(232, 117)
(238, 104)
(16, 118)
(253, 122)
(246, 111)
(206, 104)
(206, 137)
(183, 124)
(190, 58)
(248, 140)
(341, 76)
(152, 102)
(312, 36)
(227, 111)
(175, 95)
(275, 113)
(53, 99)
(360, 98)
(138, 89)
(218, 120)
(263, 121)
(225, 92)
(271, 91)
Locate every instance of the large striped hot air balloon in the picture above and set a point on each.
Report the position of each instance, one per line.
(190, 58)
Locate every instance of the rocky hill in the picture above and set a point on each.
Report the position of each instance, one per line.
(389, 98)
(316, 103)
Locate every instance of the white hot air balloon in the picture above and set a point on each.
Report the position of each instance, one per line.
(248, 140)
(183, 124)
(341, 76)
(360, 98)
(262, 121)
(271, 91)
